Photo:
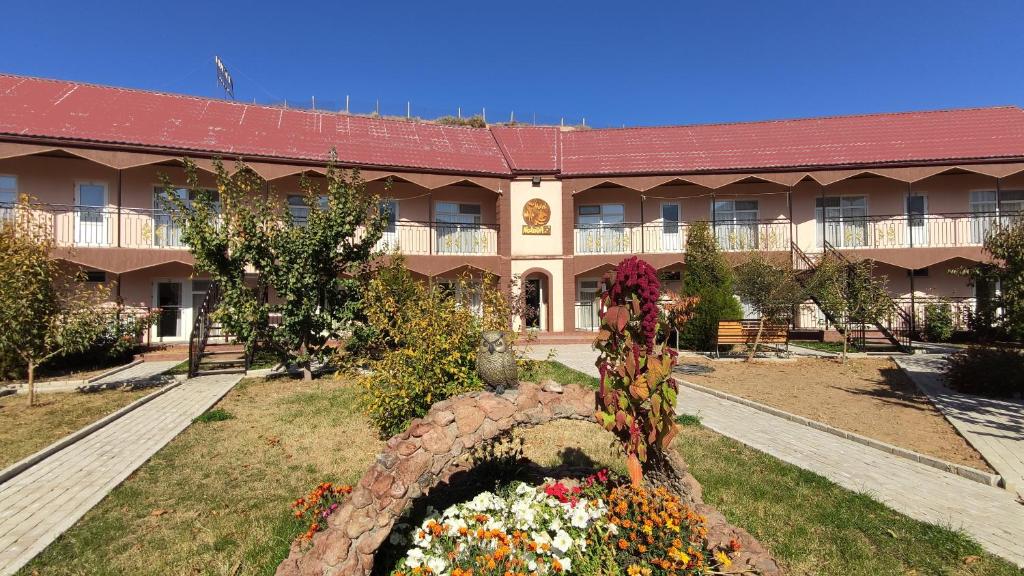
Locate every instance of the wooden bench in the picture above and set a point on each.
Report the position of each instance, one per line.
(744, 332)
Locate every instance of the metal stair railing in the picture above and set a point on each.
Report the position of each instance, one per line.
(200, 334)
(894, 323)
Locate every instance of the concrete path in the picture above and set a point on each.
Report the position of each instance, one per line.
(989, 515)
(42, 502)
(994, 427)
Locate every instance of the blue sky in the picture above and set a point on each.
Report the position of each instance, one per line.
(615, 63)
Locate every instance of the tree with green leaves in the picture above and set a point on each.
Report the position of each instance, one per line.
(1005, 244)
(252, 247)
(46, 307)
(771, 288)
(708, 277)
(850, 292)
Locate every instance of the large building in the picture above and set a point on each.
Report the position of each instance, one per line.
(916, 192)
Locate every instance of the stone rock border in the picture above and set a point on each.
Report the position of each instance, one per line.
(430, 451)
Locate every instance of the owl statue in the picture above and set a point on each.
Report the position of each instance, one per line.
(495, 362)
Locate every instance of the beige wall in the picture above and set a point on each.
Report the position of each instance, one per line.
(521, 192)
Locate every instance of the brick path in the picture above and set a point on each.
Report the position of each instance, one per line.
(994, 427)
(989, 515)
(42, 502)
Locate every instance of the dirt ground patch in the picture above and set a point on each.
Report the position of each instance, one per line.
(869, 396)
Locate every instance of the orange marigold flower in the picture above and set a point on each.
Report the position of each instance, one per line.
(623, 545)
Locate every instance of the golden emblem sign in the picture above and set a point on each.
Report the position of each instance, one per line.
(536, 215)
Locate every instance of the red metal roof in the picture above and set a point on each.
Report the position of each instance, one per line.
(529, 148)
(87, 112)
(78, 112)
(980, 133)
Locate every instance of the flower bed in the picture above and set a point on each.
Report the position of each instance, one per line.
(596, 526)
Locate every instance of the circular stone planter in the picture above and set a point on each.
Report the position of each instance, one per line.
(432, 449)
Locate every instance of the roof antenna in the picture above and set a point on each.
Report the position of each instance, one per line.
(224, 78)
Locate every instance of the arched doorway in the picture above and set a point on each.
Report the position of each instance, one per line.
(537, 295)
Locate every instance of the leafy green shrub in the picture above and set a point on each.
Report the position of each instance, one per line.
(428, 338)
(987, 371)
(707, 276)
(938, 322)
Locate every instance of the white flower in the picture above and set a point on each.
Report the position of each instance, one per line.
(613, 529)
(437, 565)
(524, 488)
(414, 558)
(580, 517)
(556, 524)
(422, 538)
(566, 564)
(562, 541)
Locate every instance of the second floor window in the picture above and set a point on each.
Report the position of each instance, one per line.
(598, 215)
(735, 224)
(299, 210)
(841, 220)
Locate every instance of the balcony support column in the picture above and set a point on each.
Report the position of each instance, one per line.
(120, 187)
(789, 208)
(431, 228)
(999, 194)
(642, 250)
(910, 234)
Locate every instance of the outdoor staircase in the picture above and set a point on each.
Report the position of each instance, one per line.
(891, 330)
(211, 349)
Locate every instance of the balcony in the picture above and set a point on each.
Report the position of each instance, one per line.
(104, 226)
(916, 231)
(110, 227)
(440, 238)
(670, 237)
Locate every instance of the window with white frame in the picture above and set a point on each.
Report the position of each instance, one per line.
(457, 228)
(989, 207)
(588, 291)
(299, 210)
(601, 229)
(166, 232)
(597, 215)
(841, 220)
(735, 223)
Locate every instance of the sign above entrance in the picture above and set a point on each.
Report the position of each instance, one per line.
(536, 215)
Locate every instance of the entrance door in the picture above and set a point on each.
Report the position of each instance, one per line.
(671, 240)
(168, 299)
(917, 210)
(90, 214)
(535, 303)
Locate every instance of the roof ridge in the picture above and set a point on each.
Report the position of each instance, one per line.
(232, 102)
(802, 119)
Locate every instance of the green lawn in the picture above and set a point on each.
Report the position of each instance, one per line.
(215, 500)
(833, 347)
(559, 373)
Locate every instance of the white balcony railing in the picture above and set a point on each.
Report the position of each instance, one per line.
(670, 237)
(110, 227)
(917, 231)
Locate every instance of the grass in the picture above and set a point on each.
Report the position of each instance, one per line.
(215, 415)
(688, 420)
(817, 527)
(24, 431)
(559, 372)
(216, 499)
(833, 347)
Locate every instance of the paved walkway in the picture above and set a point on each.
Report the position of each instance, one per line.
(990, 515)
(42, 502)
(994, 427)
